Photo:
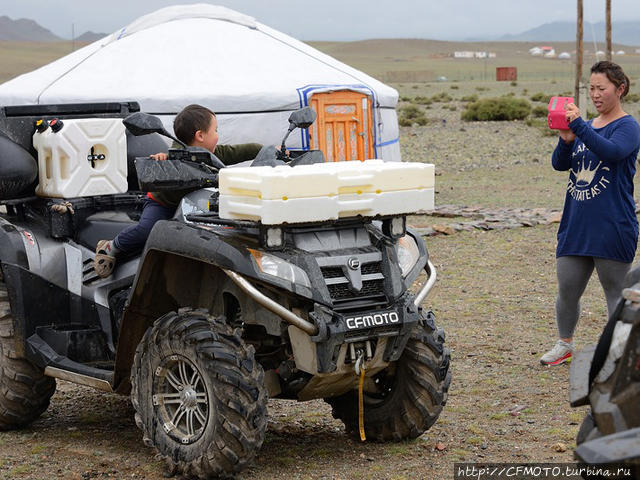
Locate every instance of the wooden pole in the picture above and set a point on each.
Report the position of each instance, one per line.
(578, 55)
(608, 22)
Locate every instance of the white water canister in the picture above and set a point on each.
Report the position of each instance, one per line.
(81, 157)
(325, 191)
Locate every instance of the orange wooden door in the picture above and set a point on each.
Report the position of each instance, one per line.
(343, 127)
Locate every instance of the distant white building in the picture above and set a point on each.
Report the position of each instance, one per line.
(620, 52)
(564, 56)
(470, 54)
(536, 51)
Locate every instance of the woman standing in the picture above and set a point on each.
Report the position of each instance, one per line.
(599, 228)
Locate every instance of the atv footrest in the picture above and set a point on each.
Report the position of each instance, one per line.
(80, 343)
(47, 357)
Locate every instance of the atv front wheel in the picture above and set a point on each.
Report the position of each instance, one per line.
(199, 394)
(24, 389)
(410, 394)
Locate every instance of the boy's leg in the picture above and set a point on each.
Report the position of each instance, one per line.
(132, 239)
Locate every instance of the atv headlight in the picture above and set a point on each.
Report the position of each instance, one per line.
(408, 254)
(277, 267)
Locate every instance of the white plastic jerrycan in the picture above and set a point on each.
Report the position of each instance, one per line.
(81, 157)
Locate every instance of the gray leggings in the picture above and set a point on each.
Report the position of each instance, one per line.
(573, 275)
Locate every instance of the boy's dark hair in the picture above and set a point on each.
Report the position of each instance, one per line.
(191, 119)
(614, 73)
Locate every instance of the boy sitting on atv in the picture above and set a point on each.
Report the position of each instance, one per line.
(196, 126)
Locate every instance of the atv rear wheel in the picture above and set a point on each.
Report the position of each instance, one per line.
(24, 389)
(199, 394)
(410, 393)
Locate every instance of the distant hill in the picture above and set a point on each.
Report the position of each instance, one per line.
(627, 33)
(90, 37)
(24, 30)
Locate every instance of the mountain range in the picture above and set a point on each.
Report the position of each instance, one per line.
(625, 33)
(26, 30)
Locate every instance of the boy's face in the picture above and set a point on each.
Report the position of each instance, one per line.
(207, 139)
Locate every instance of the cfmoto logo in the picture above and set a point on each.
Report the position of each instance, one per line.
(353, 263)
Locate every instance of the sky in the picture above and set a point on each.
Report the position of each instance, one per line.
(336, 19)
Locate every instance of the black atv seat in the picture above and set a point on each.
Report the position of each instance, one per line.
(102, 226)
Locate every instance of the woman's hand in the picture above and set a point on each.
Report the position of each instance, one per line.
(572, 112)
(159, 156)
(567, 136)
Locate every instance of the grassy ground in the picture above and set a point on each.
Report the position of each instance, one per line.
(21, 57)
(427, 60)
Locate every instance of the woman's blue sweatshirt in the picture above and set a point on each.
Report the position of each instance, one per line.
(599, 218)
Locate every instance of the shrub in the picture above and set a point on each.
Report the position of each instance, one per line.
(497, 109)
(482, 89)
(540, 97)
(632, 98)
(454, 87)
(405, 99)
(411, 114)
(539, 111)
(422, 100)
(443, 97)
(525, 91)
(514, 84)
(469, 98)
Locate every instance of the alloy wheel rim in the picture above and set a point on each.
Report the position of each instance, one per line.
(181, 399)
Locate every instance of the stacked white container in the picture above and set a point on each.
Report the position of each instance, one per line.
(325, 191)
(85, 157)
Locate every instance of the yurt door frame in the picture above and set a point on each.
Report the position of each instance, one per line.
(344, 129)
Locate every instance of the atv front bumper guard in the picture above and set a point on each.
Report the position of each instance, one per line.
(303, 324)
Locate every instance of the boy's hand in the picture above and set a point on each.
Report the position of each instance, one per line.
(159, 156)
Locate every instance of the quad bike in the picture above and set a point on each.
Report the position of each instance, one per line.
(606, 376)
(216, 315)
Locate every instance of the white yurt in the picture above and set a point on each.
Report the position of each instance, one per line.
(251, 75)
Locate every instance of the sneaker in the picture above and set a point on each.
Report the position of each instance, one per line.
(105, 260)
(560, 353)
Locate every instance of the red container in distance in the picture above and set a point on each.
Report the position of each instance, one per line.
(557, 119)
